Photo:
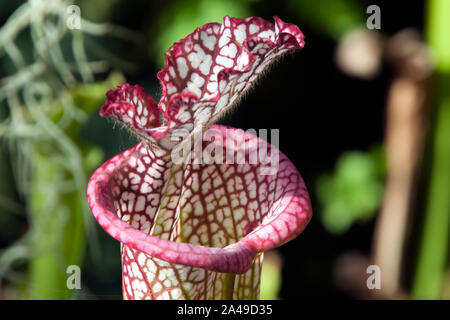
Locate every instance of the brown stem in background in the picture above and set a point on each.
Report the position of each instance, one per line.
(359, 54)
(407, 118)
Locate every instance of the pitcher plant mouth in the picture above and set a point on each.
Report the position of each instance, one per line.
(197, 229)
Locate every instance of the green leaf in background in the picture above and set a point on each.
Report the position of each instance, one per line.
(433, 254)
(271, 275)
(332, 17)
(182, 17)
(353, 192)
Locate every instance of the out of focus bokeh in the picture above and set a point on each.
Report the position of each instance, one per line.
(363, 113)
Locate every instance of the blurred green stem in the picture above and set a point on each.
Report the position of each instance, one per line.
(59, 231)
(433, 251)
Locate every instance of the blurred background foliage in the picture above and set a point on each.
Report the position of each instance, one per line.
(333, 103)
(353, 192)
